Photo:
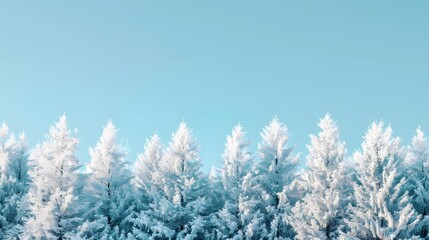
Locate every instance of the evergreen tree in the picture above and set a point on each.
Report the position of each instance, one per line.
(149, 179)
(53, 212)
(319, 214)
(418, 162)
(383, 209)
(14, 181)
(148, 173)
(236, 164)
(215, 202)
(184, 208)
(108, 190)
(264, 202)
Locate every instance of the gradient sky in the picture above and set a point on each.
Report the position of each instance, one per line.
(147, 65)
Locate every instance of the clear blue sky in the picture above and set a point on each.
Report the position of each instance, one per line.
(149, 64)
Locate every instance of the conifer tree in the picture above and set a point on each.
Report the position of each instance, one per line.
(418, 178)
(14, 181)
(264, 202)
(184, 207)
(53, 212)
(108, 190)
(236, 164)
(319, 214)
(382, 209)
(148, 173)
(215, 203)
(149, 180)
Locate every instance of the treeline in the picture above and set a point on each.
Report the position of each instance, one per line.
(379, 192)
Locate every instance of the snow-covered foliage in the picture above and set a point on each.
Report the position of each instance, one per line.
(185, 186)
(382, 208)
(319, 214)
(14, 181)
(236, 165)
(418, 161)
(149, 181)
(148, 172)
(53, 212)
(381, 192)
(266, 188)
(178, 206)
(108, 191)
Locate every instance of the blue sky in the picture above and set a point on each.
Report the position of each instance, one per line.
(147, 65)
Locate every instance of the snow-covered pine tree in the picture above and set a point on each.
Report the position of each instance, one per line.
(264, 202)
(14, 181)
(108, 190)
(216, 201)
(15, 165)
(236, 164)
(418, 178)
(216, 190)
(184, 208)
(149, 180)
(52, 208)
(382, 208)
(319, 214)
(147, 171)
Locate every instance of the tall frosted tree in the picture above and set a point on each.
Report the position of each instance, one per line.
(236, 164)
(150, 180)
(264, 201)
(183, 209)
(382, 209)
(108, 191)
(14, 181)
(13, 154)
(319, 214)
(52, 211)
(216, 203)
(418, 165)
(147, 170)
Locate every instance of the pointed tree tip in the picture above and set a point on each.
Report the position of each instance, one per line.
(110, 125)
(419, 129)
(238, 127)
(4, 129)
(110, 122)
(155, 137)
(275, 118)
(62, 122)
(327, 115)
(183, 125)
(275, 122)
(377, 124)
(420, 133)
(22, 135)
(63, 117)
